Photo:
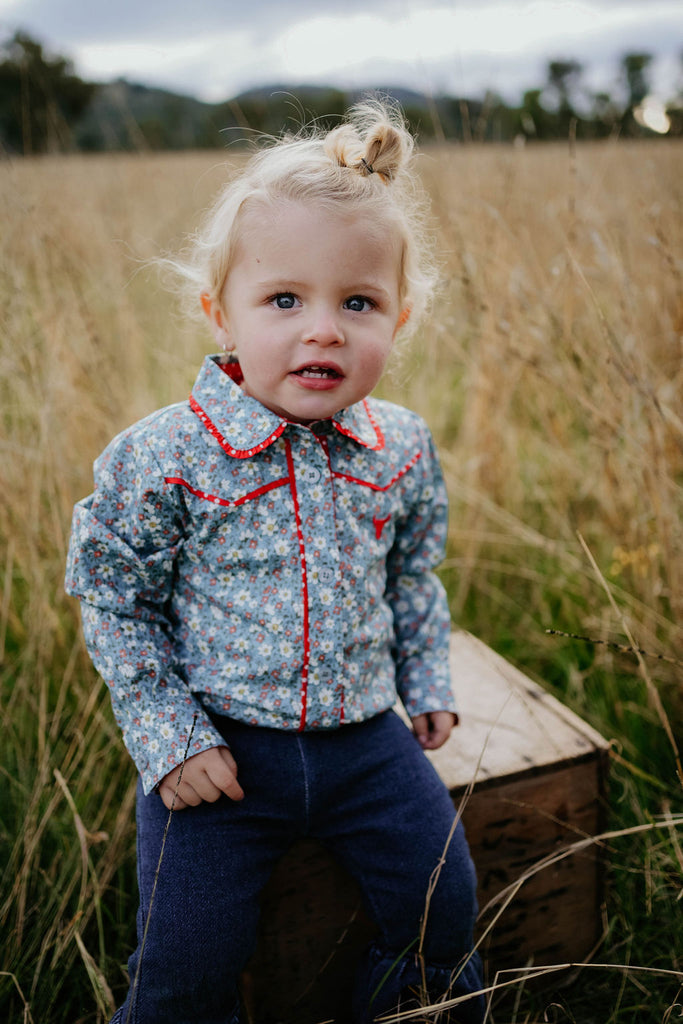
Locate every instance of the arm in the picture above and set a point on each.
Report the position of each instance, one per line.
(419, 603)
(124, 543)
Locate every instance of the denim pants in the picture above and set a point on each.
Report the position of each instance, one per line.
(370, 795)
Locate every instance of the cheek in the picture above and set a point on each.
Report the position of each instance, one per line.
(262, 364)
(375, 360)
(255, 365)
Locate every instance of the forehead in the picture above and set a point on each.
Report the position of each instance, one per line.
(327, 234)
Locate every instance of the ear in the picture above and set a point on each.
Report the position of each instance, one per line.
(403, 319)
(215, 318)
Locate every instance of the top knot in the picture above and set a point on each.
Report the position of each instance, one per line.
(374, 141)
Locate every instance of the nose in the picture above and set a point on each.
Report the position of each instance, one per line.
(323, 327)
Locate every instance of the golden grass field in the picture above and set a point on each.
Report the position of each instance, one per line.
(551, 374)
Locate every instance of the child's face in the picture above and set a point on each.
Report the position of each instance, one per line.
(311, 307)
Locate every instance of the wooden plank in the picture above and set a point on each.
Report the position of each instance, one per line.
(555, 915)
(508, 724)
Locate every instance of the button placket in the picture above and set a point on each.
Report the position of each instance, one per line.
(316, 503)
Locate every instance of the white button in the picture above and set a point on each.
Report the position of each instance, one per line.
(326, 575)
(311, 475)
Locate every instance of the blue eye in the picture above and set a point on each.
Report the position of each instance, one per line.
(358, 304)
(284, 300)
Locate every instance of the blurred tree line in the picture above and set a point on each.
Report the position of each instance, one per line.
(46, 107)
(41, 98)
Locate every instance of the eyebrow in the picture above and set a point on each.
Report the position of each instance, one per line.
(281, 284)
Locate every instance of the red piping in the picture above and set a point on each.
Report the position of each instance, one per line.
(214, 499)
(378, 432)
(237, 453)
(377, 487)
(326, 449)
(304, 587)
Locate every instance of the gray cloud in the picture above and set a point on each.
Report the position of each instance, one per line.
(67, 26)
(163, 20)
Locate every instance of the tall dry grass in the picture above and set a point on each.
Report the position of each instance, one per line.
(552, 378)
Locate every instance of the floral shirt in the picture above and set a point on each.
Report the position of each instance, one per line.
(230, 561)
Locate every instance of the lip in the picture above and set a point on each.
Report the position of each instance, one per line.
(321, 383)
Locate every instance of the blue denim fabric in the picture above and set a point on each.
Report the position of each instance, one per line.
(369, 793)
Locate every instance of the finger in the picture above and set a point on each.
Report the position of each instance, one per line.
(421, 729)
(212, 774)
(224, 775)
(441, 723)
(171, 799)
(188, 792)
(198, 775)
(203, 777)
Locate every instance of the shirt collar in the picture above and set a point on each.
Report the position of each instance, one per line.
(358, 423)
(243, 427)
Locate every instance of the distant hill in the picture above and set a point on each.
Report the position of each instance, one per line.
(316, 95)
(124, 115)
(127, 115)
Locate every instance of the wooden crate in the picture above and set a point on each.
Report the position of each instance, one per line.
(539, 774)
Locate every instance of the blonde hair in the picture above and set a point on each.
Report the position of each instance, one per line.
(365, 162)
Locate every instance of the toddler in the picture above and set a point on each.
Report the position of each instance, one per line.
(255, 571)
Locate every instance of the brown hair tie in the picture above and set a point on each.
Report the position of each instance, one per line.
(365, 168)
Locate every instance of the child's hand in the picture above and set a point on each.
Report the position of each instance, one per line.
(206, 776)
(433, 729)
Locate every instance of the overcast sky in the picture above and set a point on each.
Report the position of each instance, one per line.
(214, 49)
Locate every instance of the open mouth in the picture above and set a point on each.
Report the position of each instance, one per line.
(318, 373)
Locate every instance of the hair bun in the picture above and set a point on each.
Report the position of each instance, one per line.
(374, 141)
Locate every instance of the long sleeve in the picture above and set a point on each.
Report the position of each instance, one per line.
(417, 596)
(124, 543)
(232, 563)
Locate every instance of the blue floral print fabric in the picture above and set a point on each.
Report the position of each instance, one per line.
(231, 561)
